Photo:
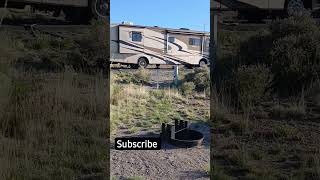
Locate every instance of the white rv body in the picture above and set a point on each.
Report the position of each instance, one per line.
(159, 46)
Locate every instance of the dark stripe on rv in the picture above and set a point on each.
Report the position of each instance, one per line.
(126, 43)
(167, 61)
(180, 47)
(175, 59)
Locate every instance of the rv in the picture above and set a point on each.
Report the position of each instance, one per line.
(140, 46)
(77, 11)
(256, 9)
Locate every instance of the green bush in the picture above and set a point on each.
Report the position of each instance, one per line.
(294, 25)
(200, 78)
(187, 88)
(295, 62)
(255, 50)
(251, 84)
(290, 49)
(140, 77)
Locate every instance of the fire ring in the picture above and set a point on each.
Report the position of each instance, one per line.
(181, 135)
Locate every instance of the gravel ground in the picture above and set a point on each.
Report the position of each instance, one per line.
(168, 163)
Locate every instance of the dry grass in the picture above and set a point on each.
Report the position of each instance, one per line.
(53, 127)
(134, 106)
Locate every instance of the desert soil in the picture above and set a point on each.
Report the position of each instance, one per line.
(168, 163)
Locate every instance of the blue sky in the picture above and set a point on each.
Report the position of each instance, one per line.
(192, 14)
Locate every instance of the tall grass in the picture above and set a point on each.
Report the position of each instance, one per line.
(136, 105)
(133, 104)
(55, 129)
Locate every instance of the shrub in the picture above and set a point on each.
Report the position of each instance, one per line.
(187, 88)
(294, 25)
(140, 77)
(294, 111)
(200, 77)
(295, 62)
(229, 41)
(94, 47)
(290, 49)
(40, 42)
(286, 131)
(255, 50)
(251, 83)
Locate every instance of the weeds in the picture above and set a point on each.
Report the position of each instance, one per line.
(217, 173)
(200, 79)
(187, 88)
(141, 77)
(293, 111)
(269, 72)
(51, 126)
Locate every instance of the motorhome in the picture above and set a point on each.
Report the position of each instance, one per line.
(140, 46)
(254, 9)
(78, 11)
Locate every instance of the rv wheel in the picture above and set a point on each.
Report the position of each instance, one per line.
(202, 63)
(99, 8)
(143, 62)
(294, 7)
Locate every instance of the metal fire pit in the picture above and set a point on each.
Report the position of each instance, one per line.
(179, 134)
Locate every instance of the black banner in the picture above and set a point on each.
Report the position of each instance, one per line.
(138, 143)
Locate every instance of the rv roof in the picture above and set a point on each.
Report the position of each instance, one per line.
(167, 29)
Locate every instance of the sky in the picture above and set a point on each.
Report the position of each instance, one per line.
(191, 14)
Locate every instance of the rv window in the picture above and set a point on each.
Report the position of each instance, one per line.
(194, 42)
(136, 36)
(171, 39)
